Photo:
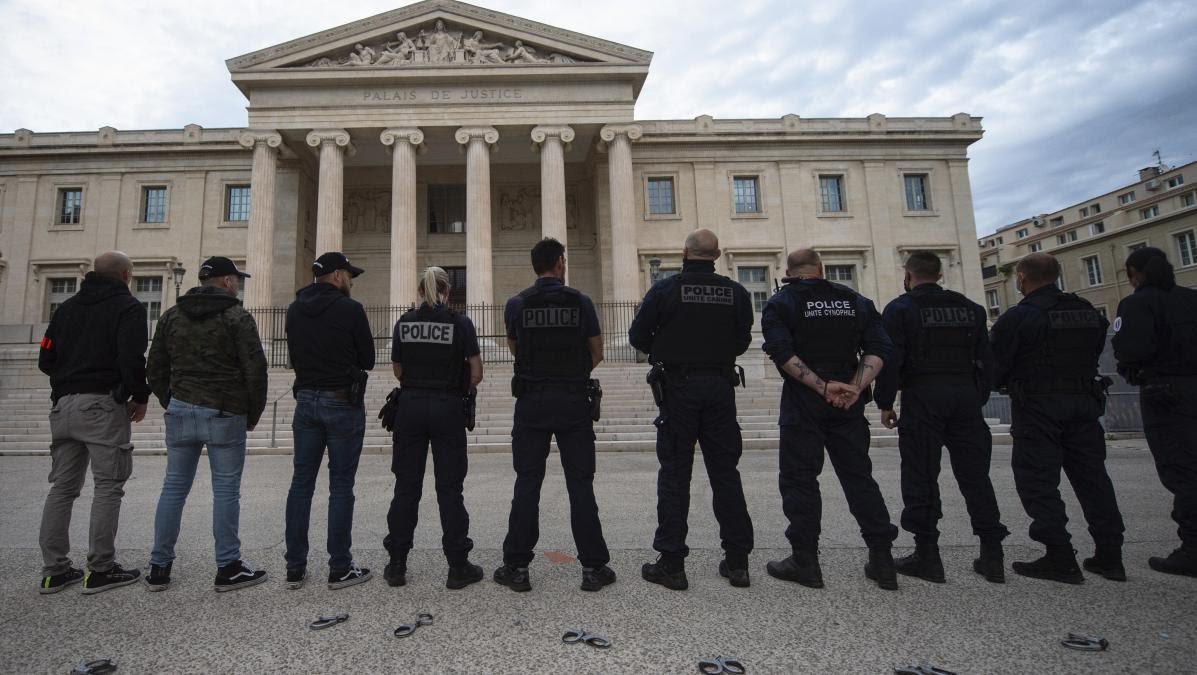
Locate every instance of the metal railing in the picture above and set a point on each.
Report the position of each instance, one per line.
(1122, 411)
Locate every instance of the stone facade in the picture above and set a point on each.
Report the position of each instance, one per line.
(443, 133)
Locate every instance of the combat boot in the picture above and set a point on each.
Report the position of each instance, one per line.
(801, 568)
(1106, 561)
(990, 563)
(1058, 564)
(923, 563)
(668, 571)
(880, 568)
(1182, 561)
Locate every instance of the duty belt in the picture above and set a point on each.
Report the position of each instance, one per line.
(572, 387)
(683, 371)
(923, 379)
(1057, 386)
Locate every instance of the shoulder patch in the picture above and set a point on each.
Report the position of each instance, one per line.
(1117, 323)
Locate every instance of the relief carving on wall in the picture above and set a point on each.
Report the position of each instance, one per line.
(367, 211)
(519, 208)
(440, 46)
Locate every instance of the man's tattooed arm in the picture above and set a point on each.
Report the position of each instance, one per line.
(869, 369)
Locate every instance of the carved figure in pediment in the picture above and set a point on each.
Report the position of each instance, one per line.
(364, 56)
(477, 51)
(560, 58)
(521, 53)
(397, 52)
(441, 44)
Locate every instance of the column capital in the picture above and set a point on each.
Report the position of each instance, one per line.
(489, 135)
(542, 133)
(251, 137)
(392, 135)
(632, 131)
(339, 137)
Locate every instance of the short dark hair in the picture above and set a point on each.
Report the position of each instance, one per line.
(924, 264)
(545, 254)
(1040, 268)
(1154, 265)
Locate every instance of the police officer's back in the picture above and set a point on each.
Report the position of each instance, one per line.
(693, 326)
(943, 363)
(1047, 347)
(1155, 343)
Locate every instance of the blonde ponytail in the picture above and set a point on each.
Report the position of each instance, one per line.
(434, 282)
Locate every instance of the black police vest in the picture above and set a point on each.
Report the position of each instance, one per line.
(701, 329)
(827, 325)
(431, 356)
(1180, 316)
(946, 341)
(550, 342)
(1074, 329)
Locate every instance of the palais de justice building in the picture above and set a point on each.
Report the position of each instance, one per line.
(447, 134)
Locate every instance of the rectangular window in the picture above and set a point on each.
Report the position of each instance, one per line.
(1097, 228)
(153, 204)
(746, 191)
(60, 291)
(991, 299)
(236, 203)
(1135, 247)
(1186, 247)
(1060, 279)
(1084, 212)
(1022, 233)
(842, 274)
(70, 205)
(1149, 212)
(1126, 197)
(831, 193)
(446, 209)
(148, 290)
(1093, 270)
(660, 195)
(1096, 209)
(1175, 181)
(916, 192)
(1187, 199)
(999, 241)
(1061, 240)
(1057, 221)
(1035, 247)
(457, 282)
(989, 271)
(756, 281)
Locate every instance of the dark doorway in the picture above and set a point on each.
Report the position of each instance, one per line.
(457, 279)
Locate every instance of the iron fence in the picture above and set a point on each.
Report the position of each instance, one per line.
(489, 324)
(1122, 411)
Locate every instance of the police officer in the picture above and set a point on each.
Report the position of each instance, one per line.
(553, 332)
(943, 363)
(1155, 342)
(698, 404)
(1046, 349)
(829, 344)
(436, 359)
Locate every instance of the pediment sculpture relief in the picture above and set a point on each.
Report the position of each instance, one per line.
(439, 45)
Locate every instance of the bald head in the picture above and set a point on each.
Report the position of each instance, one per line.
(702, 245)
(115, 265)
(804, 262)
(1037, 270)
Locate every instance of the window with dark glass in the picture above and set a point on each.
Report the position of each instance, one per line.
(989, 271)
(70, 205)
(660, 195)
(756, 281)
(153, 204)
(1186, 246)
(60, 290)
(831, 193)
(236, 203)
(446, 209)
(916, 192)
(148, 290)
(747, 194)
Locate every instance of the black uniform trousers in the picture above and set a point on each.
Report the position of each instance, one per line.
(424, 416)
(544, 411)
(1169, 406)
(700, 408)
(938, 412)
(1061, 430)
(813, 425)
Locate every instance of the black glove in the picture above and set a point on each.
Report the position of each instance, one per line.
(387, 414)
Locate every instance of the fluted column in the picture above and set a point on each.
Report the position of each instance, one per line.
(404, 143)
(553, 142)
(259, 241)
(479, 279)
(624, 272)
(332, 144)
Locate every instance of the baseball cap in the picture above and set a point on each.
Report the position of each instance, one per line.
(331, 262)
(219, 266)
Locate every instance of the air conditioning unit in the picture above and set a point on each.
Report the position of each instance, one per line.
(1153, 184)
(1039, 221)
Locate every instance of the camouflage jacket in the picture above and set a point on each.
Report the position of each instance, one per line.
(206, 351)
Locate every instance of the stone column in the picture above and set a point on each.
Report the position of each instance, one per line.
(403, 144)
(259, 240)
(479, 279)
(333, 144)
(553, 142)
(624, 272)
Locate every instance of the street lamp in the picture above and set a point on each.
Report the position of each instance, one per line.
(179, 271)
(654, 269)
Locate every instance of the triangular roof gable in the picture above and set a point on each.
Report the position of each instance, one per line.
(337, 43)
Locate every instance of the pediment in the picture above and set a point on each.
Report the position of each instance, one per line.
(439, 34)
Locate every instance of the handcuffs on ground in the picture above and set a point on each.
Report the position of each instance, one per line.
(574, 636)
(730, 665)
(94, 667)
(423, 619)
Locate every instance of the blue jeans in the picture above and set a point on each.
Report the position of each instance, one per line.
(188, 429)
(322, 420)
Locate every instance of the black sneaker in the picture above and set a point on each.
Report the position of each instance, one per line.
(594, 578)
(395, 573)
(1059, 567)
(991, 568)
(801, 568)
(56, 582)
(98, 582)
(350, 577)
(880, 568)
(463, 575)
(1182, 561)
(159, 578)
(295, 578)
(736, 577)
(657, 573)
(923, 563)
(1106, 565)
(515, 578)
(237, 575)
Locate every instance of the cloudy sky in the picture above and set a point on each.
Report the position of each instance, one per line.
(1075, 95)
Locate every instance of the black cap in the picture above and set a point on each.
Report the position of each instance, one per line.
(331, 262)
(219, 266)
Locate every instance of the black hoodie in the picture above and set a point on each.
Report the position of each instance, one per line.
(328, 338)
(96, 342)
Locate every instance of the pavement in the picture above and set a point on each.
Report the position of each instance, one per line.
(966, 625)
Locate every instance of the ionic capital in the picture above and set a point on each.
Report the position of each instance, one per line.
(489, 135)
(393, 135)
(542, 133)
(251, 137)
(632, 131)
(339, 137)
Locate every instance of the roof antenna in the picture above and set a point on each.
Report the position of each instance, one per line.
(1159, 161)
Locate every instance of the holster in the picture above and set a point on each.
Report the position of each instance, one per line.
(469, 404)
(594, 392)
(357, 386)
(120, 394)
(656, 384)
(389, 410)
(518, 386)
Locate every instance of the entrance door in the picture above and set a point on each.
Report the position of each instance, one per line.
(457, 280)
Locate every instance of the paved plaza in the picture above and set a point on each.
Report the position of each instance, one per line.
(967, 625)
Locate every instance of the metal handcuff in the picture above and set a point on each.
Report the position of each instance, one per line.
(579, 635)
(94, 667)
(1086, 643)
(921, 669)
(404, 630)
(730, 665)
(327, 620)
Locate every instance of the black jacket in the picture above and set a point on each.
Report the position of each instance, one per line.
(96, 342)
(328, 338)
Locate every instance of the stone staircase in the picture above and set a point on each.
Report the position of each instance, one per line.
(628, 413)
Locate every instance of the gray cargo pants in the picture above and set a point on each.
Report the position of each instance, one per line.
(83, 428)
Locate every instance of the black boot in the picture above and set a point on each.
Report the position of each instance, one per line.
(395, 572)
(880, 568)
(801, 568)
(463, 575)
(1058, 564)
(668, 571)
(1182, 561)
(990, 563)
(1107, 561)
(923, 563)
